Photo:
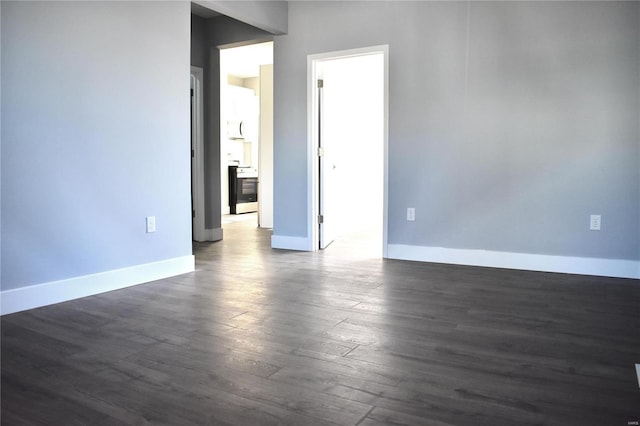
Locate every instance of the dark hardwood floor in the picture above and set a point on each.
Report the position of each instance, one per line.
(264, 337)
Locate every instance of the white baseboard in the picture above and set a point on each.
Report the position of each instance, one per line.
(209, 235)
(35, 296)
(531, 262)
(290, 243)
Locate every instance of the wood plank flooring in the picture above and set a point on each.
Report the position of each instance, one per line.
(264, 337)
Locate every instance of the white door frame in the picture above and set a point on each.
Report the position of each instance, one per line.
(312, 138)
(197, 159)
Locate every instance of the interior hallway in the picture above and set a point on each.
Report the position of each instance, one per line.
(259, 337)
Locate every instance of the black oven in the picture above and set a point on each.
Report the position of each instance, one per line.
(243, 189)
(247, 189)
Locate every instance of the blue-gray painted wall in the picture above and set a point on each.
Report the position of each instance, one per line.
(509, 122)
(95, 137)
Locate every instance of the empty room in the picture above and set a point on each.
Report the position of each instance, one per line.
(445, 225)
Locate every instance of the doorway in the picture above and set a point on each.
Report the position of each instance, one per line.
(348, 92)
(198, 232)
(246, 134)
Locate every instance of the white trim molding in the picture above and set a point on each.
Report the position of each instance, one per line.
(619, 268)
(35, 296)
(291, 243)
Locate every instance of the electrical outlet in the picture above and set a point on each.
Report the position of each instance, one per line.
(411, 214)
(595, 222)
(151, 224)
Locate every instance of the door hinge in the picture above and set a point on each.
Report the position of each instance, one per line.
(193, 153)
(320, 83)
(191, 92)
(320, 218)
(193, 214)
(320, 151)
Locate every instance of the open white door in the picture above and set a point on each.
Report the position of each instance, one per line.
(348, 139)
(327, 163)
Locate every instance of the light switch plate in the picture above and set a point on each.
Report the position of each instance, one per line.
(151, 224)
(411, 214)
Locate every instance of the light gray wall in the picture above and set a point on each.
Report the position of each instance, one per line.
(198, 51)
(95, 107)
(509, 122)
